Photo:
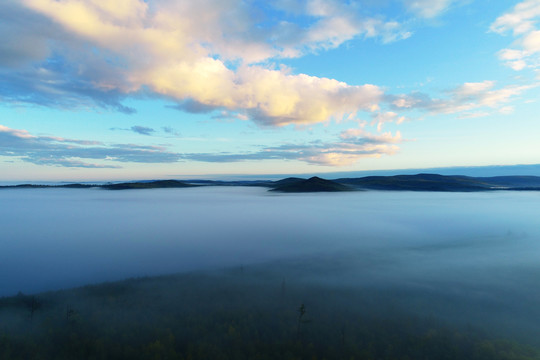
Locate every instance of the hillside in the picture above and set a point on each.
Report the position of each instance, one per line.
(258, 314)
(435, 182)
(419, 182)
(314, 184)
(158, 184)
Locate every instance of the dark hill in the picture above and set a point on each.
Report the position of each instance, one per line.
(514, 182)
(314, 184)
(420, 182)
(287, 181)
(148, 185)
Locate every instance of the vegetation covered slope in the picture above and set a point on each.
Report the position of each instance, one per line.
(314, 184)
(435, 182)
(157, 184)
(419, 182)
(244, 313)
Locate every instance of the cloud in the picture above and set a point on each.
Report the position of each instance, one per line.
(521, 21)
(148, 131)
(427, 8)
(143, 130)
(353, 145)
(386, 117)
(464, 98)
(47, 150)
(170, 130)
(24, 35)
(506, 110)
(59, 84)
(206, 55)
(339, 21)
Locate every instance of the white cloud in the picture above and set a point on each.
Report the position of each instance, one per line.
(531, 42)
(514, 58)
(387, 117)
(427, 8)
(472, 90)
(506, 110)
(474, 115)
(462, 99)
(522, 22)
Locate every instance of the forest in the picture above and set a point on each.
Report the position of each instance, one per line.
(247, 312)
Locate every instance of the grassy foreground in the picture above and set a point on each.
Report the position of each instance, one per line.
(243, 313)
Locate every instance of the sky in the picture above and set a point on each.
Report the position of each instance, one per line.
(133, 89)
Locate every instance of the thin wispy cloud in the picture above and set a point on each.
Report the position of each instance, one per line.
(522, 23)
(353, 145)
(142, 130)
(149, 131)
(464, 98)
(170, 130)
(428, 8)
(47, 150)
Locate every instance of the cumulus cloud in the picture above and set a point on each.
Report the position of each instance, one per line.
(206, 55)
(352, 145)
(59, 84)
(57, 151)
(24, 35)
(521, 21)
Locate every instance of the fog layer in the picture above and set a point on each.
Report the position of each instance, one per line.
(470, 254)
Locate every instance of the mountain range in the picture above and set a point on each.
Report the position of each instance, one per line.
(418, 182)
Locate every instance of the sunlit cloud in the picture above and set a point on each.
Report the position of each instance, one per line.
(352, 145)
(207, 60)
(199, 54)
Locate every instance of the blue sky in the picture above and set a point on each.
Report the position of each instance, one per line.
(132, 89)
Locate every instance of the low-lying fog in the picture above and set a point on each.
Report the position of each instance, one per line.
(469, 254)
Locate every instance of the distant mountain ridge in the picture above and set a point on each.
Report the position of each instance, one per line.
(436, 182)
(418, 182)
